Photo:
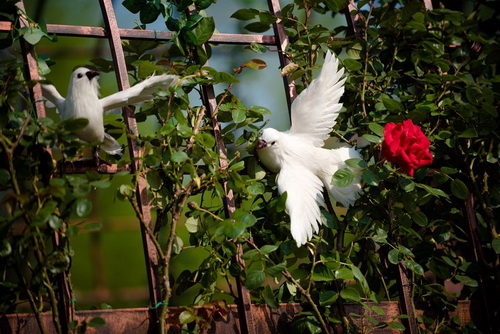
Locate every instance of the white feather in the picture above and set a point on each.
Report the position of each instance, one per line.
(315, 110)
(304, 166)
(83, 101)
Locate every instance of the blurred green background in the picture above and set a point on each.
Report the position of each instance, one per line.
(108, 265)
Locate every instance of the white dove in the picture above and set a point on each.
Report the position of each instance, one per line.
(305, 167)
(83, 101)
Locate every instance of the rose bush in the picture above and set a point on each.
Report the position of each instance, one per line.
(406, 145)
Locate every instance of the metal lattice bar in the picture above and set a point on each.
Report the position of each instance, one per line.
(150, 252)
(158, 35)
(64, 290)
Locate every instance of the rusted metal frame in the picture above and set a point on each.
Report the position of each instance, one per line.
(247, 324)
(406, 305)
(150, 252)
(479, 258)
(244, 303)
(64, 293)
(352, 20)
(282, 43)
(159, 35)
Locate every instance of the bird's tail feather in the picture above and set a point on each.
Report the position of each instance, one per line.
(111, 146)
(349, 194)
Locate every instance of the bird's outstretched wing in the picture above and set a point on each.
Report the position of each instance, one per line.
(141, 92)
(315, 110)
(304, 191)
(50, 93)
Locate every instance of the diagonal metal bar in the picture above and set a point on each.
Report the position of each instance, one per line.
(352, 19)
(150, 252)
(281, 43)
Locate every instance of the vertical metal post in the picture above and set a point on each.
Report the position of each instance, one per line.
(31, 65)
(150, 252)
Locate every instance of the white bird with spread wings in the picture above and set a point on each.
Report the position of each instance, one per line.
(304, 166)
(83, 101)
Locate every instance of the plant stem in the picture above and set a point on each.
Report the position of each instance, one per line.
(309, 299)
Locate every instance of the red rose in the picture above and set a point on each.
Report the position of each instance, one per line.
(406, 145)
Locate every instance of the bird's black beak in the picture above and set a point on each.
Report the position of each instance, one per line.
(92, 74)
(260, 144)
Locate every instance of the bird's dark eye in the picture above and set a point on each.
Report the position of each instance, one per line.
(274, 142)
(79, 75)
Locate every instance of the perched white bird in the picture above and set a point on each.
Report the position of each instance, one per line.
(304, 166)
(83, 101)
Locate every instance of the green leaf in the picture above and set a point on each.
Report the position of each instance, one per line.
(95, 226)
(376, 129)
(96, 322)
(323, 274)
(245, 14)
(186, 317)
(266, 249)
(459, 189)
(238, 115)
(133, 6)
(201, 33)
(469, 133)
(179, 156)
(269, 297)
(393, 256)
(258, 27)
(420, 218)
(5, 248)
(254, 279)
(371, 178)
(495, 244)
(223, 77)
(124, 192)
(149, 13)
(392, 105)
(396, 325)
(74, 124)
(433, 191)
(407, 184)
(33, 35)
(251, 254)
(256, 188)
(350, 294)
(261, 110)
(343, 177)
(327, 297)
(4, 176)
(467, 281)
(276, 269)
(352, 65)
(344, 273)
(243, 216)
(54, 222)
(192, 224)
(356, 162)
(83, 207)
(372, 138)
(414, 266)
(232, 229)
